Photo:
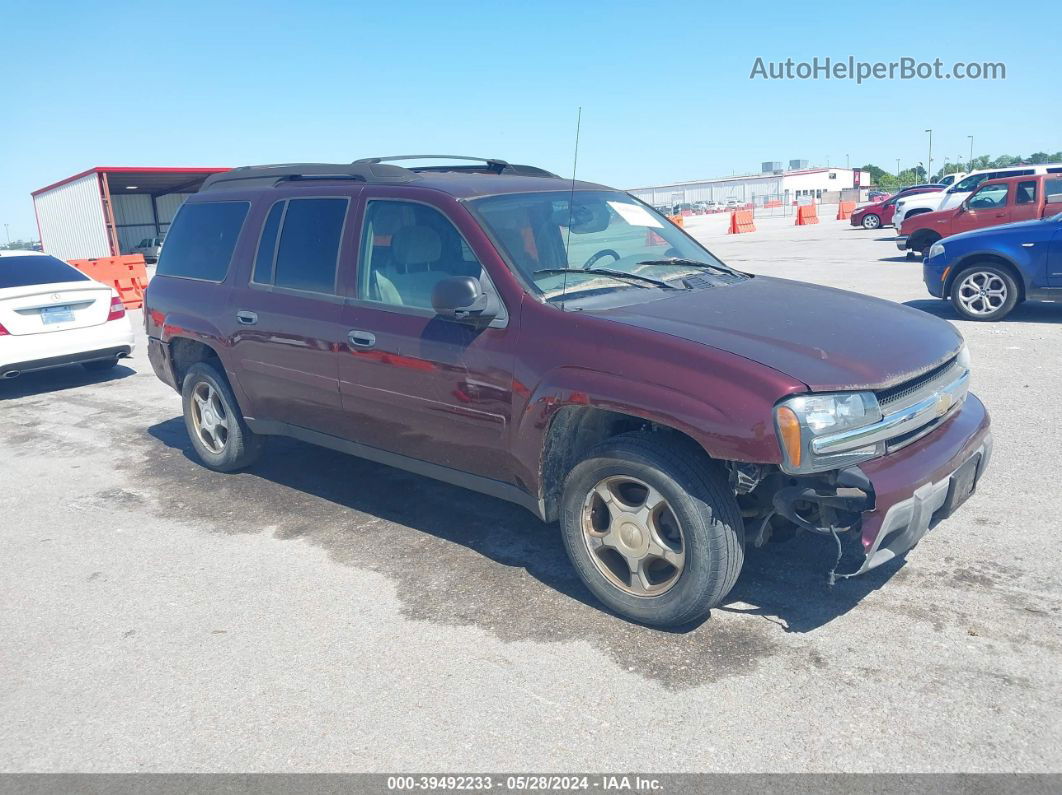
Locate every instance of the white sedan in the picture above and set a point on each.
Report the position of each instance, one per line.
(51, 314)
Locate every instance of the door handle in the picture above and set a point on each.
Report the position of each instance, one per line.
(247, 318)
(361, 339)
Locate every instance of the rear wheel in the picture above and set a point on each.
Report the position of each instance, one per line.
(212, 417)
(653, 531)
(871, 221)
(984, 292)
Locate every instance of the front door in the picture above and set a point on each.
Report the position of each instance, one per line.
(413, 383)
(288, 315)
(987, 207)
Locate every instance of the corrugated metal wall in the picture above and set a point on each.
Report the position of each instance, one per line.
(133, 216)
(71, 220)
(741, 188)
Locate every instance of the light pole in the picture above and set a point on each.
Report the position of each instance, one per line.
(929, 161)
(847, 164)
(971, 151)
(897, 169)
(7, 231)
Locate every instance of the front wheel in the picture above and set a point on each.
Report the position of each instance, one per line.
(871, 221)
(984, 292)
(653, 531)
(219, 434)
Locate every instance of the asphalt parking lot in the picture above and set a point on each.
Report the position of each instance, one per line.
(322, 613)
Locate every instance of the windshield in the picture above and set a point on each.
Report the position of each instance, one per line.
(609, 231)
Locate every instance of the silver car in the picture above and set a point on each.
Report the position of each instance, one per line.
(150, 247)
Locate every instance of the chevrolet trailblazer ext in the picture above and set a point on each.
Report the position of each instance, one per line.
(565, 347)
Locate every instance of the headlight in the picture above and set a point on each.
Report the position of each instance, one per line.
(803, 419)
(964, 358)
(936, 250)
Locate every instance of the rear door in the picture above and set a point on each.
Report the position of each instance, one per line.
(41, 294)
(286, 314)
(1026, 204)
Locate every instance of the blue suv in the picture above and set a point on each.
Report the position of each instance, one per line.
(987, 272)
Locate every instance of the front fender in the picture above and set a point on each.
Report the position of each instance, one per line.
(736, 425)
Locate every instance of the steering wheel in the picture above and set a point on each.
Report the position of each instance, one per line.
(605, 252)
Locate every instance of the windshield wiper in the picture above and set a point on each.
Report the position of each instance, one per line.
(676, 262)
(619, 275)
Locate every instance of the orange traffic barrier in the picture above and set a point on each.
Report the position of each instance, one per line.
(741, 221)
(807, 214)
(844, 210)
(676, 220)
(127, 274)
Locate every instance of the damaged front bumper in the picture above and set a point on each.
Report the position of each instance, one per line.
(893, 501)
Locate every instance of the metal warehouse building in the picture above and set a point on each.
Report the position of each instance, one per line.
(772, 183)
(105, 211)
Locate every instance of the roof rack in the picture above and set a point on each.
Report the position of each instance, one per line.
(370, 169)
(271, 175)
(491, 165)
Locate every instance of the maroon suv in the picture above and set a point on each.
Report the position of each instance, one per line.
(565, 347)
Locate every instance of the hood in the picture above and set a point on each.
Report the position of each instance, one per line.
(829, 339)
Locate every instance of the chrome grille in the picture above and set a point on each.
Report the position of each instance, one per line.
(912, 391)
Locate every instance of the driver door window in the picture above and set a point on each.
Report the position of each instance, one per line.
(989, 198)
(407, 249)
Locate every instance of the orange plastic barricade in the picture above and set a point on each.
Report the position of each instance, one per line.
(741, 221)
(126, 274)
(844, 210)
(676, 220)
(807, 214)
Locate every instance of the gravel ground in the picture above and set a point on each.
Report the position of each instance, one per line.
(322, 613)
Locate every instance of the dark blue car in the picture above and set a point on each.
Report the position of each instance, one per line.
(987, 272)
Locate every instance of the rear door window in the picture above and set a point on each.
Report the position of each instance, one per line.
(28, 271)
(310, 232)
(200, 242)
(1025, 193)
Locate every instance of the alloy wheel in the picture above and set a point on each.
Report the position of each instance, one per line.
(633, 536)
(209, 418)
(982, 293)
(871, 222)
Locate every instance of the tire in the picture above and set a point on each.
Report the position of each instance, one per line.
(698, 507)
(871, 221)
(100, 365)
(923, 242)
(234, 448)
(997, 293)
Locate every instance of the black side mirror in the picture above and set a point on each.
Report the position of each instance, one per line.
(461, 298)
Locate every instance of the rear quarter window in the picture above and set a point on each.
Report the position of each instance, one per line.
(201, 239)
(28, 271)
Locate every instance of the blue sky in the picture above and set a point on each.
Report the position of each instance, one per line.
(665, 88)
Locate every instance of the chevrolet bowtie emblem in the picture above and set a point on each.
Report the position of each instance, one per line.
(943, 404)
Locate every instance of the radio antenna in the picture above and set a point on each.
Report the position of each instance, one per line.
(571, 205)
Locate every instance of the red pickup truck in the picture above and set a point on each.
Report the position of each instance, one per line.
(997, 201)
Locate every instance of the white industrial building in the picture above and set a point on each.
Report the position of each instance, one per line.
(773, 183)
(105, 211)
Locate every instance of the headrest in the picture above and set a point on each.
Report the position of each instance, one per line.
(387, 218)
(416, 245)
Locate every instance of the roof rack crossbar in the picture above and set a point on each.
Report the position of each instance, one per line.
(494, 161)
